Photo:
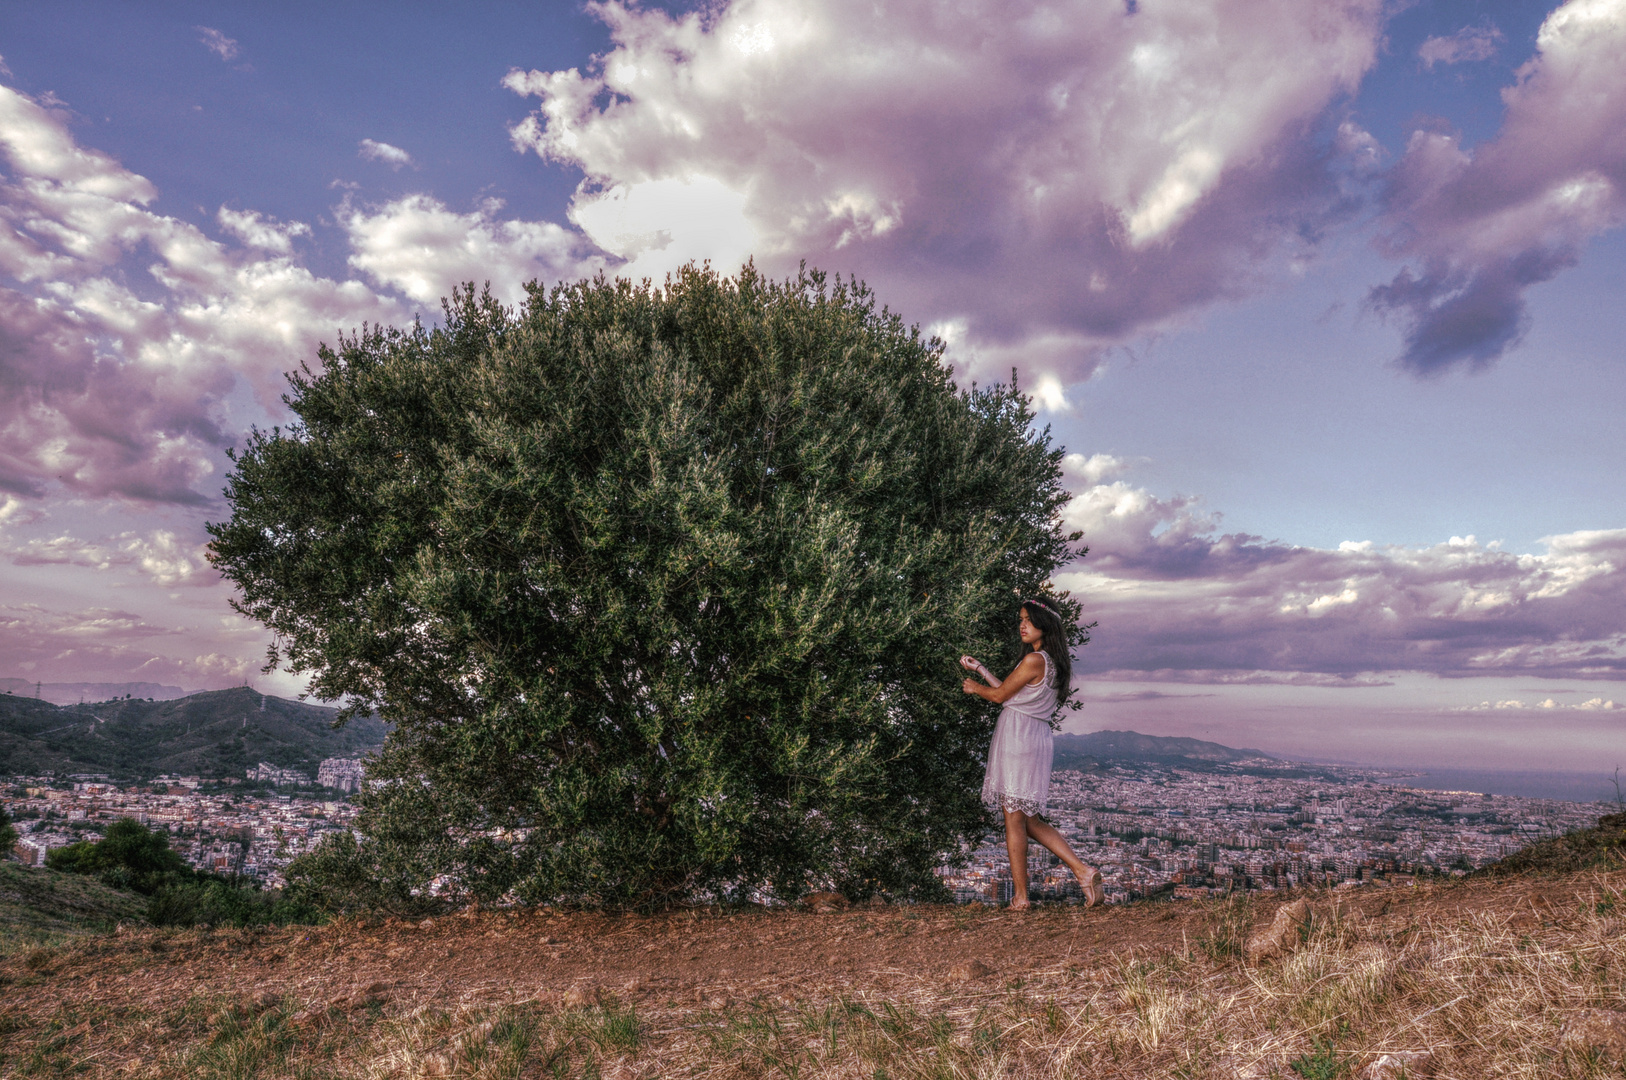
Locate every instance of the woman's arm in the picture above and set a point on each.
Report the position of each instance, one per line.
(1030, 669)
(971, 663)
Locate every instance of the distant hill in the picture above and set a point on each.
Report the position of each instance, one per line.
(71, 693)
(216, 733)
(1112, 747)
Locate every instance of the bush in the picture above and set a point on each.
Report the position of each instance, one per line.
(219, 903)
(129, 856)
(8, 835)
(343, 877)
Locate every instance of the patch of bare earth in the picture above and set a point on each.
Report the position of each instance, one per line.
(1501, 977)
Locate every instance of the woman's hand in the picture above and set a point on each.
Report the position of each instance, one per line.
(971, 663)
(970, 686)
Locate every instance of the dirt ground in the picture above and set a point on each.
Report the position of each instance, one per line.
(674, 959)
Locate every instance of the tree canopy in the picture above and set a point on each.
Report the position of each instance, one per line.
(662, 587)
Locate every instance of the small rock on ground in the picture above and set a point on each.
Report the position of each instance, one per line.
(1401, 1065)
(1283, 935)
(969, 971)
(1598, 1029)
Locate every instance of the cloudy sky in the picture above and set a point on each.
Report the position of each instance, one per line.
(1324, 300)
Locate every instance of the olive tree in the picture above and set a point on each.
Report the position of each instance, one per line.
(662, 588)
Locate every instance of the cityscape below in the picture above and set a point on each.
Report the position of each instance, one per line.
(1155, 830)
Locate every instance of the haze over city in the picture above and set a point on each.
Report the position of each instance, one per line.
(1323, 300)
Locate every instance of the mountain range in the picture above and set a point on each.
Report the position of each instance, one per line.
(212, 734)
(1131, 747)
(220, 733)
(71, 693)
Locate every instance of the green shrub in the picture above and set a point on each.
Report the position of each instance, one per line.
(130, 856)
(219, 903)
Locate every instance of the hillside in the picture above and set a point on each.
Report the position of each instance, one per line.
(72, 693)
(1098, 748)
(216, 733)
(1491, 977)
(39, 906)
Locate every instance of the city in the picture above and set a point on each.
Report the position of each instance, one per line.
(1155, 831)
(1184, 834)
(225, 826)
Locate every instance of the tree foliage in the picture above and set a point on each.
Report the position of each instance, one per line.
(663, 588)
(129, 856)
(8, 834)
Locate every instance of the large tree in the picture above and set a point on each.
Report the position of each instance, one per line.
(662, 588)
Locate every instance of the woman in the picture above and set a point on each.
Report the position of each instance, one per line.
(1019, 759)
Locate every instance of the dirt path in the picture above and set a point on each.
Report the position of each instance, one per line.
(673, 958)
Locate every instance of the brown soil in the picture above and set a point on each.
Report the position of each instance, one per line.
(672, 959)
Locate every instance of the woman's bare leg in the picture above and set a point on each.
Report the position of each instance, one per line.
(1046, 834)
(1016, 842)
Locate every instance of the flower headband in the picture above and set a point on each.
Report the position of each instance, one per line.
(1042, 604)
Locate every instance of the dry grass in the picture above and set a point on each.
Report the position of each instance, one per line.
(1487, 991)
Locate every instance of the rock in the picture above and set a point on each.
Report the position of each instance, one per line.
(437, 1065)
(878, 901)
(266, 1000)
(578, 997)
(969, 971)
(1603, 1030)
(717, 1001)
(1284, 935)
(824, 903)
(1401, 1065)
(426, 924)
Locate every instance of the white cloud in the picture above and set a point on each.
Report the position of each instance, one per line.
(420, 247)
(393, 156)
(158, 556)
(1468, 44)
(1480, 226)
(261, 232)
(1178, 601)
(109, 644)
(1030, 172)
(222, 46)
(1596, 704)
(115, 392)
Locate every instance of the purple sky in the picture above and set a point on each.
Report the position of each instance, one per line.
(1324, 299)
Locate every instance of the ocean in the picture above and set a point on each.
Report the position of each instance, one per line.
(1575, 787)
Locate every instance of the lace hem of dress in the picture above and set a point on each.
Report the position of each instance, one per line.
(1000, 800)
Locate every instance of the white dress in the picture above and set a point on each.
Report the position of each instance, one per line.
(1023, 749)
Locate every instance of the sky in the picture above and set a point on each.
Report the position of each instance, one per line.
(1323, 300)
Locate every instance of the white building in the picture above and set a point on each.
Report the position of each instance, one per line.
(272, 774)
(342, 773)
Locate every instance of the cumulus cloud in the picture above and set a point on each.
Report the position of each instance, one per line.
(107, 389)
(1179, 601)
(260, 232)
(1479, 227)
(420, 247)
(1596, 704)
(392, 156)
(222, 46)
(108, 644)
(1468, 44)
(1027, 172)
(159, 556)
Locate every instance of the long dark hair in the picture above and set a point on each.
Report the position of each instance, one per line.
(1048, 623)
